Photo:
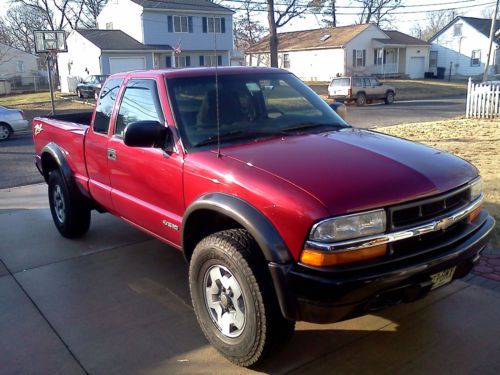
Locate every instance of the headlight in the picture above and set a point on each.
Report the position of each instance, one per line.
(349, 227)
(476, 189)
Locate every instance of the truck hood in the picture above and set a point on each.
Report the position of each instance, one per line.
(353, 170)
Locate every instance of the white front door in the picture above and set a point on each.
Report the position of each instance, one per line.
(416, 67)
(126, 64)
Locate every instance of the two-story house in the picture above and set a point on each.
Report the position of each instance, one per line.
(148, 34)
(463, 46)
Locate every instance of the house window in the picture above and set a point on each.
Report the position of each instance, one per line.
(109, 25)
(286, 61)
(20, 66)
(210, 60)
(433, 59)
(378, 56)
(182, 61)
(475, 59)
(457, 29)
(181, 24)
(214, 24)
(359, 57)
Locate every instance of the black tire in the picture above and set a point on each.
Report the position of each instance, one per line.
(264, 328)
(70, 212)
(389, 98)
(5, 131)
(361, 100)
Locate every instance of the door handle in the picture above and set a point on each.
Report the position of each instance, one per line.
(111, 154)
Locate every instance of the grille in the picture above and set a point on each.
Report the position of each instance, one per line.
(422, 211)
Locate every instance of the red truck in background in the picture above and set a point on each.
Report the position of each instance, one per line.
(283, 211)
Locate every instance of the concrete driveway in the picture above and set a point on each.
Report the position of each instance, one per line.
(117, 302)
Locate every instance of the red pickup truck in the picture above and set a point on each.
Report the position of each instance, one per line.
(283, 211)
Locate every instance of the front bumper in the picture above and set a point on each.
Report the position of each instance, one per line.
(325, 296)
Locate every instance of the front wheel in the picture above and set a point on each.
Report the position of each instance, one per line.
(70, 213)
(233, 298)
(389, 98)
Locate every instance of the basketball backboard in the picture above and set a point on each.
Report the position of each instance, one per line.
(50, 41)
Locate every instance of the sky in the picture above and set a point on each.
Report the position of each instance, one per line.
(414, 12)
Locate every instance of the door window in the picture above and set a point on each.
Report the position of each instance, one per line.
(367, 82)
(140, 102)
(375, 82)
(104, 109)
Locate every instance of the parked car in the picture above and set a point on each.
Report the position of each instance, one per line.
(360, 90)
(11, 121)
(90, 86)
(283, 211)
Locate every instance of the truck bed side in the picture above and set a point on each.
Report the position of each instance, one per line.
(66, 133)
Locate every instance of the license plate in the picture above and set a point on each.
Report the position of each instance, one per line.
(442, 278)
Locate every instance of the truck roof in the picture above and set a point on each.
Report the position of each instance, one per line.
(201, 71)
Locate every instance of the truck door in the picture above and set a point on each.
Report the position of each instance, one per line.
(96, 144)
(146, 182)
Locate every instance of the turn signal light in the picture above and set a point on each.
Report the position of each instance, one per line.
(475, 214)
(324, 259)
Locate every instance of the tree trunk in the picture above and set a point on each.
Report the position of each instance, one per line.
(334, 14)
(273, 34)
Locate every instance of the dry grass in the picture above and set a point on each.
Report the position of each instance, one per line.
(40, 101)
(477, 141)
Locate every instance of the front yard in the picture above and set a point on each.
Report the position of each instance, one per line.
(477, 141)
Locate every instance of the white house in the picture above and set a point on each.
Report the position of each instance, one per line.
(149, 34)
(463, 45)
(321, 54)
(17, 65)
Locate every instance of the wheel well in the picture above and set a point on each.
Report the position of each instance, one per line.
(361, 92)
(201, 224)
(388, 91)
(49, 164)
(4, 123)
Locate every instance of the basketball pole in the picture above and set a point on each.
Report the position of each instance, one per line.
(51, 86)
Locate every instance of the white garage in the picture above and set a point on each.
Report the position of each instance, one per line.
(416, 67)
(125, 64)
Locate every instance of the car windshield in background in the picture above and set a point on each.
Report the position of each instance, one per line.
(341, 82)
(101, 79)
(250, 106)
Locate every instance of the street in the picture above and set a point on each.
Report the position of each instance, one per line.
(17, 166)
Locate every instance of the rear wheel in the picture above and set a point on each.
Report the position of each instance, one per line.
(70, 212)
(233, 298)
(389, 98)
(5, 132)
(361, 100)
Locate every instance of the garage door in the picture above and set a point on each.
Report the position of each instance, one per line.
(125, 64)
(417, 67)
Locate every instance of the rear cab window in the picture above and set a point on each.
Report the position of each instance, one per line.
(343, 82)
(104, 109)
(140, 102)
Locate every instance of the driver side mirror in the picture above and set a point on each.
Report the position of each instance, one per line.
(149, 134)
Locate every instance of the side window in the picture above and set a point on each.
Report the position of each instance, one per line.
(140, 102)
(104, 109)
(367, 82)
(375, 82)
(357, 82)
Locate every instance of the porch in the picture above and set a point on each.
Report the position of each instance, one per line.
(389, 61)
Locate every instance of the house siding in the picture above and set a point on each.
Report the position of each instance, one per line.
(457, 50)
(155, 25)
(125, 15)
(82, 55)
(363, 41)
(9, 58)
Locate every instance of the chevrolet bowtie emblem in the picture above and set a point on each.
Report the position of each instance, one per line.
(444, 223)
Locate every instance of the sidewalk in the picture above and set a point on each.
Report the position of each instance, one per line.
(117, 302)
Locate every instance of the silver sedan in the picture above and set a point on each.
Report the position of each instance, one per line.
(11, 121)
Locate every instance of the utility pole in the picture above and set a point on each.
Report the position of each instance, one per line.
(492, 36)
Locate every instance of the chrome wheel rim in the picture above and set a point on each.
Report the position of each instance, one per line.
(59, 206)
(224, 301)
(4, 132)
(390, 98)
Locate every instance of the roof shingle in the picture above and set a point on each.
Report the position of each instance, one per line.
(117, 40)
(397, 37)
(194, 5)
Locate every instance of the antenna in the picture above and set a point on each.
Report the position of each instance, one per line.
(217, 91)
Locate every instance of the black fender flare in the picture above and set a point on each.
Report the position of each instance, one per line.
(57, 154)
(258, 225)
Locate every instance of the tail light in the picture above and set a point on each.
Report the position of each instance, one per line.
(21, 113)
(349, 92)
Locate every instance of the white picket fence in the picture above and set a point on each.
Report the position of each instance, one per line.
(483, 100)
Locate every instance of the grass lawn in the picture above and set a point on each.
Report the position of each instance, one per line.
(477, 141)
(410, 89)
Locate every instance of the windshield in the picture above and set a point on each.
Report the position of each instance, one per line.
(250, 106)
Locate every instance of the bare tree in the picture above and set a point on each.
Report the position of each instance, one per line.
(278, 16)
(377, 11)
(247, 30)
(328, 9)
(59, 14)
(91, 10)
(436, 20)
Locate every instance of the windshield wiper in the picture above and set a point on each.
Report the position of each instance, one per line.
(312, 125)
(237, 134)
